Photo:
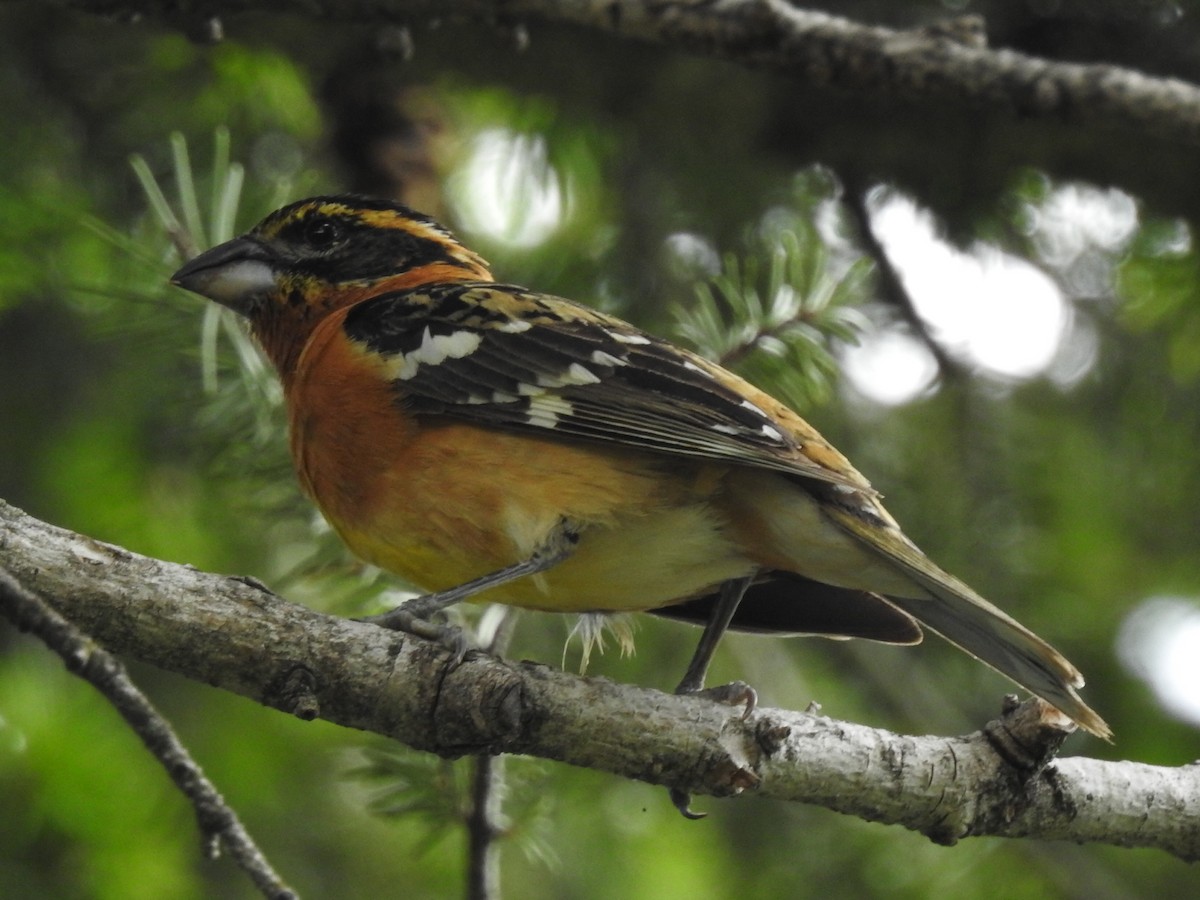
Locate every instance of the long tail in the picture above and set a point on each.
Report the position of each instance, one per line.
(972, 624)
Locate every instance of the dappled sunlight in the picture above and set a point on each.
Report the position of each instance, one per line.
(507, 189)
(1159, 642)
(890, 367)
(692, 255)
(993, 310)
(985, 306)
(1077, 218)
(1077, 355)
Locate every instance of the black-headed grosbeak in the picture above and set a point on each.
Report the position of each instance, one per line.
(487, 441)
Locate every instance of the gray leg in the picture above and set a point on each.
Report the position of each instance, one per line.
(414, 615)
(693, 679)
(722, 614)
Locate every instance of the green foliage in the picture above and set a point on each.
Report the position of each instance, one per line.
(773, 313)
(1160, 281)
(437, 793)
(433, 790)
(189, 237)
(562, 154)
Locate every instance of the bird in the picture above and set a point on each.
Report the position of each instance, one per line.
(492, 443)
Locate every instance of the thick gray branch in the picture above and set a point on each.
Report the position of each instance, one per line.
(819, 49)
(237, 636)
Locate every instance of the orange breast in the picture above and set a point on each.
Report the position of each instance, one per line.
(442, 502)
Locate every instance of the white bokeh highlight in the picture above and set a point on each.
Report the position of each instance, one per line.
(889, 366)
(1159, 642)
(985, 306)
(507, 190)
(1076, 219)
(992, 310)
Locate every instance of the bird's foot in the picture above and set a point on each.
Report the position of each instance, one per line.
(736, 693)
(414, 617)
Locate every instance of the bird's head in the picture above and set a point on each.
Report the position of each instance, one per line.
(316, 256)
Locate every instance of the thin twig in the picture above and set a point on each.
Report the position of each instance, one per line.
(484, 826)
(739, 351)
(219, 824)
(485, 819)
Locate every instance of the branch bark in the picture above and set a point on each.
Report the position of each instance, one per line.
(236, 635)
(947, 62)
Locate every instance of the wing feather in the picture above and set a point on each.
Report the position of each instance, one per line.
(508, 358)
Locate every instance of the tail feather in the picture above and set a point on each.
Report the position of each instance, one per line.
(785, 603)
(958, 614)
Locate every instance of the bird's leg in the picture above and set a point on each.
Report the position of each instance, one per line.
(414, 616)
(735, 692)
(730, 596)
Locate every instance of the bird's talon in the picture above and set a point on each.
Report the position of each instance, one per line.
(455, 640)
(735, 693)
(451, 637)
(425, 608)
(251, 581)
(682, 801)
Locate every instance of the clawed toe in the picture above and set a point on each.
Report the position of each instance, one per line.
(736, 693)
(682, 801)
(451, 637)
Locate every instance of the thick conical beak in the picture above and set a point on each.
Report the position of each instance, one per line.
(236, 274)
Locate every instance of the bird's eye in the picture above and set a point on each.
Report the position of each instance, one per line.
(322, 234)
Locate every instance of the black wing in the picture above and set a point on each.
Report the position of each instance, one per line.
(505, 357)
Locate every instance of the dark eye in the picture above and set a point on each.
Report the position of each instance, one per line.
(322, 234)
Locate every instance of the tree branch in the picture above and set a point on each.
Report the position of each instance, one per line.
(484, 818)
(819, 49)
(219, 824)
(234, 634)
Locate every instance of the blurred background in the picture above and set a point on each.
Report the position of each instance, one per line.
(996, 320)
